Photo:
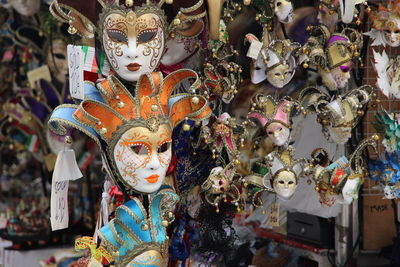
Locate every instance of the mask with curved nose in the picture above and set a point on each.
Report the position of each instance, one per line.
(279, 76)
(26, 7)
(285, 184)
(142, 157)
(133, 45)
(278, 133)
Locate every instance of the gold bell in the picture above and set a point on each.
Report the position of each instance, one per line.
(246, 2)
(154, 107)
(72, 30)
(128, 3)
(376, 137)
(170, 214)
(145, 227)
(169, 1)
(360, 112)
(356, 54)
(176, 21)
(120, 104)
(308, 28)
(358, 21)
(195, 100)
(368, 9)
(186, 127)
(103, 130)
(330, 12)
(308, 181)
(165, 223)
(305, 65)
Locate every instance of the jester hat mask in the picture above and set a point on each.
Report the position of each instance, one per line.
(134, 132)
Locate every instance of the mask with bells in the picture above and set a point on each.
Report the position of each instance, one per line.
(332, 54)
(274, 117)
(134, 132)
(338, 116)
(284, 172)
(275, 63)
(132, 33)
(220, 185)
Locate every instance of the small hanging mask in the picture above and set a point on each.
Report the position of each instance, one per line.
(283, 10)
(26, 7)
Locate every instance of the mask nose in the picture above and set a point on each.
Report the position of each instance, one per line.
(154, 163)
(131, 50)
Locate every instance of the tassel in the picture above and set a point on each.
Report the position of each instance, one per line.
(66, 167)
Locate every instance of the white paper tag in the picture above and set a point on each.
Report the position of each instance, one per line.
(59, 216)
(75, 66)
(254, 49)
(42, 72)
(66, 167)
(274, 215)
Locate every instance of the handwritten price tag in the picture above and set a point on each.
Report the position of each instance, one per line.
(254, 49)
(59, 216)
(75, 67)
(274, 215)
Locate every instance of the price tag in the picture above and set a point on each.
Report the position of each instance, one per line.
(254, 49)
(59, 216)
(274, 215)
(37, 74)
(75, 67)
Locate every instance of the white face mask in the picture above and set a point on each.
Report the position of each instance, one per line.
(178, 49)
(278, 133)
(351, 189)
(142, 157)
(285, 184)
(283, 10)
(57, 60)
(26, 7)
(339, 135)
(279, 76)
(389, 192)
(337, 78)
(392, 38)
(133, 48)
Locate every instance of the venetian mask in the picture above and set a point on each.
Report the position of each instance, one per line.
(178, 49)
(56, 59)
(278, 133)
(392, 38)
(338, 77)
(142, 157)
(276, 63)
(285, 184)
(133, 42)
(26, 7)
(135, 131)
(389, 192)
(279, 76)
(283, 10)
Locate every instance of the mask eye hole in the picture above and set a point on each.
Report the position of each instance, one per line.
(117, 36)
(257, 68)
(139, 149)
(278, 4)
(281, 182)
(164, 147)
(290, 182)
(270, 132)
(59, 56)
(146, 36)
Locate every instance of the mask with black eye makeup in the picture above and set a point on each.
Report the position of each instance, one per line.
(133, 43)
(56, 59)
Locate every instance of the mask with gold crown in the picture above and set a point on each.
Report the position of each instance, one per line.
(134, 132)
(132, 33)
(274, 117)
